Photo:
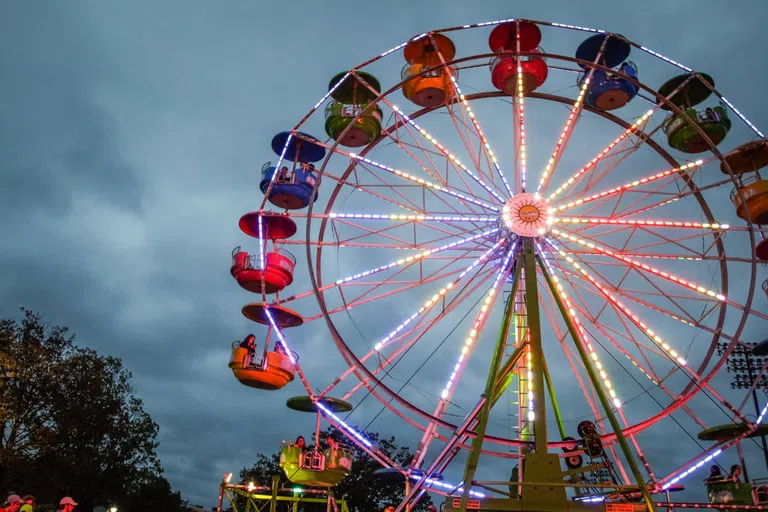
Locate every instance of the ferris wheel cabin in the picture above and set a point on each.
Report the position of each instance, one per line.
(427, 81)
(607, 91)
(748, 159)
(272, 371)
(292, 185)
(316, 466)
(349, 117)
(504, 73)
(279, 264)
(681, 129)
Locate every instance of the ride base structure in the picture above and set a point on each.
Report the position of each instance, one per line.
(252, 498)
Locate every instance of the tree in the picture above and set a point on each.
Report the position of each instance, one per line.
(361, 489)
(72, 424)
(154, 495)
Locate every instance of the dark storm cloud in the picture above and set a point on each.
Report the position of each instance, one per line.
(130, 137)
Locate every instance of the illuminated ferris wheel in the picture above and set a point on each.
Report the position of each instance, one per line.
(544, 232)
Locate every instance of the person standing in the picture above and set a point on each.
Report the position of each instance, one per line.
(29, 503)
(14, 503)
(67, 504)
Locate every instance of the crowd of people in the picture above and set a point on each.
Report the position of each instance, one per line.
(14, 503)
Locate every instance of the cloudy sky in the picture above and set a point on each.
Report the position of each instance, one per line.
(131, 136)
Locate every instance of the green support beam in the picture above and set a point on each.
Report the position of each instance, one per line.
(482, 417)
(599, 389)
(553, 400)
(537, 353)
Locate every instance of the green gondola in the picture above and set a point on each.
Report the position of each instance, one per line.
(682, 133)
(366, 129)
(325, 468)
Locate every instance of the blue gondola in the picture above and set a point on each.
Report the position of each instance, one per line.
(608, 91)
(293, 183)
(292, 188)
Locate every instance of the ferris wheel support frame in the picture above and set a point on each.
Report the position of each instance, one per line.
(540, 387)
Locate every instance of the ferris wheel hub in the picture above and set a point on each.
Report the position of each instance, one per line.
(526, 214)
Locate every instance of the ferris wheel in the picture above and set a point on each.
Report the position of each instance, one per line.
(501, 228)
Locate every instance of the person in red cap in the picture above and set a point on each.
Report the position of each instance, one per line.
(14, 503)
(67, 504)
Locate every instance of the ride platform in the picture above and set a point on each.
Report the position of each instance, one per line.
(250, 497)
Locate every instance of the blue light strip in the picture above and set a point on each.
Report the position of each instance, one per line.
(450, 487)
(351, 431)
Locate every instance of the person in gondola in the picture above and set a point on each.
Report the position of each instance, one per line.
(300, 443)
(735, 474)
(279, 348)
(249, 343)
(714, 475)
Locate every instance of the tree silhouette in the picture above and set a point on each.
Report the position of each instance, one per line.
(72, 424)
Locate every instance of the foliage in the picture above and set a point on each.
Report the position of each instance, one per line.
(361, 489)
(72, 424)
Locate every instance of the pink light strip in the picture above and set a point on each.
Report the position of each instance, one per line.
(400, 216)
(626, 222)
(626, 186)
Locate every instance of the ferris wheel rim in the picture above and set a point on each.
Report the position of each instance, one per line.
(347, 352)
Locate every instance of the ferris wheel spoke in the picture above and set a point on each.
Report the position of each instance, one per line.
(570, 124)
(362, 297)
(417, 256)
(635, 297)
(433, 300)
(409, 205)
(410, 337)
(661, 241)
(450, 157)
(452, 160)
(520, 153)
(448, 219)
(628, 229)
(621, 289)
(466, 352)
(668, 198)
(415, 181)
(646, 370)
(432, 233)
(399, 266)
(428, 185)
(652, 335)
(365, 296)
(483, 140)
(687, 169)
(634, 128)
(641, 266)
